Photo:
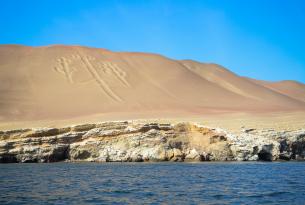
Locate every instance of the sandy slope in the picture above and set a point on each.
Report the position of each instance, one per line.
(290, 88)
(62, 82)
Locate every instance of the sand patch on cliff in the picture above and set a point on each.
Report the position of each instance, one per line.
(231, 122)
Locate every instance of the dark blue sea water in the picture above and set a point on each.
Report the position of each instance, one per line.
(153, 183)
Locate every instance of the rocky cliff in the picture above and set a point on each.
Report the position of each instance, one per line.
(138, 141)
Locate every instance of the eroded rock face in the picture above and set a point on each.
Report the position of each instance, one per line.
(138, 142)
(268, 145)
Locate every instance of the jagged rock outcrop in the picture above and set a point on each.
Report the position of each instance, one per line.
(268, 145)
(138, 142)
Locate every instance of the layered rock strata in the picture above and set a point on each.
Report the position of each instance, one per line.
(137, 142)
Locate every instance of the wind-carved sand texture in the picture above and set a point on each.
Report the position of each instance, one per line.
(67, 82)
(214, 78)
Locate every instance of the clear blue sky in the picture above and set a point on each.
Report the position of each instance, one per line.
(264, 39)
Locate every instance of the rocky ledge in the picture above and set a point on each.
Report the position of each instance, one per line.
(138, 142)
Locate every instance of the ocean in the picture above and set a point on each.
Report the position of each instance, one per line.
(153, 183)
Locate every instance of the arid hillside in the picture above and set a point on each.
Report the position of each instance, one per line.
(62, 82)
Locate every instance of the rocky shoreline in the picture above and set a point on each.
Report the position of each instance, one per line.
(128, 141)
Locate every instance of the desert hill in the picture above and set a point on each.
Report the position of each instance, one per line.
(290, 88)
(59, 82)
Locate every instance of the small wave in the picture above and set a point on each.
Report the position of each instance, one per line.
(268, 194)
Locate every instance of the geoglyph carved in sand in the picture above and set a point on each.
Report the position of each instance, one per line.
(98, 70)
(63, 67)
(114, 69)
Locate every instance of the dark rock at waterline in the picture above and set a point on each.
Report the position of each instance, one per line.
(266, 153)
(8, 158)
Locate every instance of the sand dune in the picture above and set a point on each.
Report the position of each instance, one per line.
(61, 82)
(290, 88)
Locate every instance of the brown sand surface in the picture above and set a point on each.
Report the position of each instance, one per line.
(51, 85)
(290, 88)
(233, 122)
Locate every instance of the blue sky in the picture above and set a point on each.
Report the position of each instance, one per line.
(263, 39)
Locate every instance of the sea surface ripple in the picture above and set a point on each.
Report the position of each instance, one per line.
(153, 183)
